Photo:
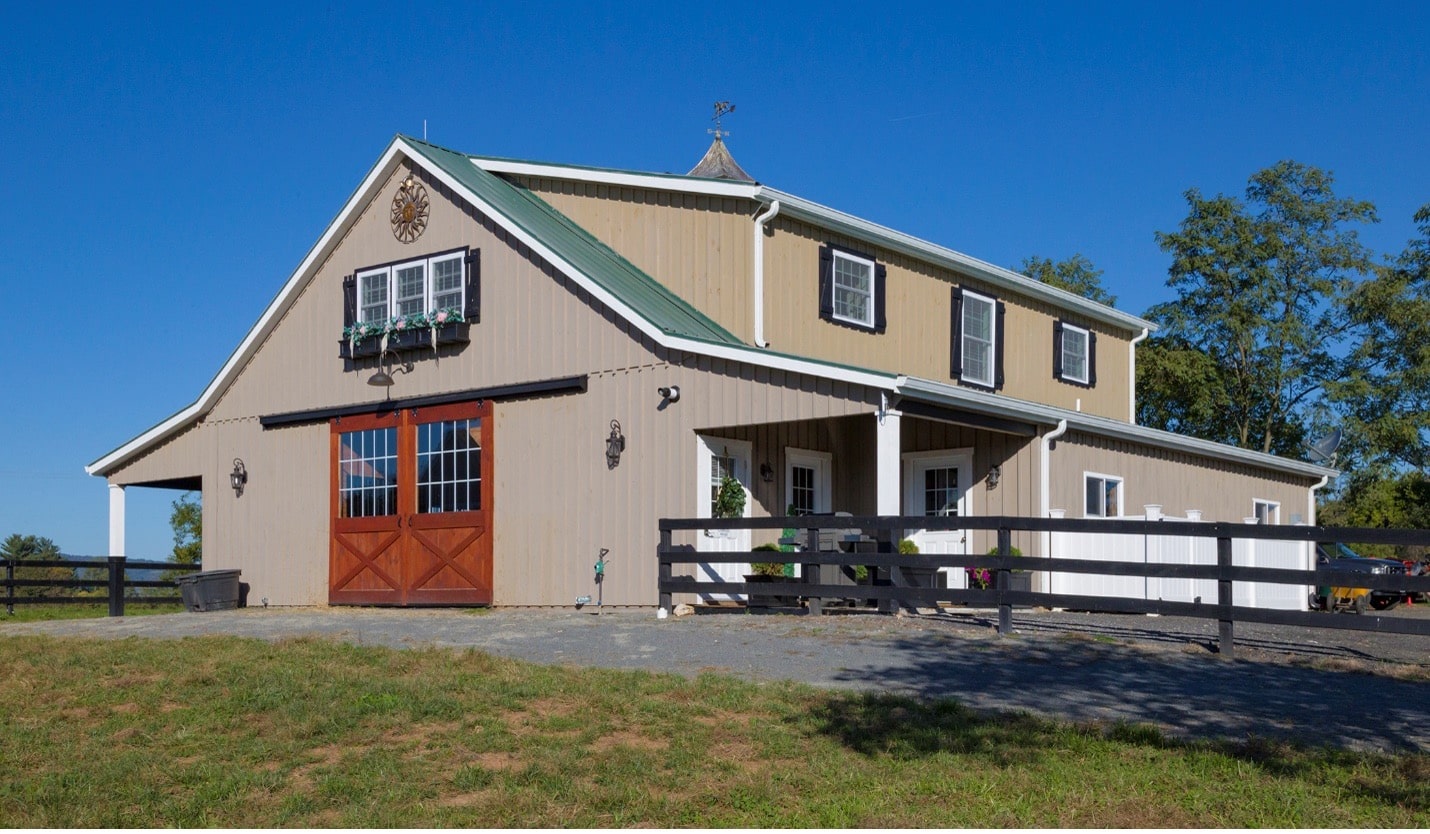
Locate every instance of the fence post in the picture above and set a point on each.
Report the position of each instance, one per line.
(9, 586)
(664, 572)
(1225, 625)
(813, 574)
(1001, 580)
(116, 586)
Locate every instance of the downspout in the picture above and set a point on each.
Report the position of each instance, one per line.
(1045, 489)
(759, 289)
(1132, 376)
(1311, 500)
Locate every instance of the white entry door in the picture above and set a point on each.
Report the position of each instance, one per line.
(936, 484)
(717, 457)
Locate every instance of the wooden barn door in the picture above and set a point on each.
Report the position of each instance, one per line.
(411, 507)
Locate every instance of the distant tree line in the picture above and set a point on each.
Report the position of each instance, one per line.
(1286, 325)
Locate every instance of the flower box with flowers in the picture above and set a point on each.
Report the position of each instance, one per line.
(414, 331)
(362, 340)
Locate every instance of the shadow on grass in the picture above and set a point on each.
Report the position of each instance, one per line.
(908, 728)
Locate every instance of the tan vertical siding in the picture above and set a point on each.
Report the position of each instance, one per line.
(557, 502)
(1178, 481)
(180, 456)
(698, 246)
(919, 314)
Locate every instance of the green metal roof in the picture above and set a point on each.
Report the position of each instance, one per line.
(646, 296)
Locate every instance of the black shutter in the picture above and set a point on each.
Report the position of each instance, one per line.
(1091, 359)
(1057, 349)
(881, 323)
(826, 283)
(349, 304)
(998, 350)
(472, 310)
(955, 348)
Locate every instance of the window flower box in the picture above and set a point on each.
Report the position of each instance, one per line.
(409, 339)
(364, 349)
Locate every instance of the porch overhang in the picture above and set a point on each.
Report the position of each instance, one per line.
(962, 417)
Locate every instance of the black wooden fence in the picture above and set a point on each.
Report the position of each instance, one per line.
(90, 580)
(893, 580)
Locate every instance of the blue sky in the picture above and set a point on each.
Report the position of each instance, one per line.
(170, 167)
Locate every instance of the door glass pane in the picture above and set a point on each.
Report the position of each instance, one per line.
(367, 473)
(719, 468)
(449, 466)
(802, 490)
(941, 491)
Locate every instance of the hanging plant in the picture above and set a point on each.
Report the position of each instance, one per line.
(729, 500)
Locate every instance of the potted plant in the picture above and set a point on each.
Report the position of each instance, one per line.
(1018, 580)
(915, 576)
(767, 573)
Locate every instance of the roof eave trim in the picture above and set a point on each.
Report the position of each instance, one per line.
(628, 179)
(923, 389)
(919, 248)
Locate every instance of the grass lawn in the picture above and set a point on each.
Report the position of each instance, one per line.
(241, 733)
(31, 612)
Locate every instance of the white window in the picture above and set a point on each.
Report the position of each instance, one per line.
(979, 336)
(422, 286)
(1266, 512)
(853, 289)
(1074, 349)
(1104, 495)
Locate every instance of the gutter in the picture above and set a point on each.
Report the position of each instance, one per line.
(1132, 375)
(759, 289)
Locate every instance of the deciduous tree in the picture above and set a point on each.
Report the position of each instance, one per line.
(1076, 275)
(1261, 285)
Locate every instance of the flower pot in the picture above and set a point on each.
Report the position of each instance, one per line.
(409, 339)
(768, 599)
(364, 349)
(456, 333)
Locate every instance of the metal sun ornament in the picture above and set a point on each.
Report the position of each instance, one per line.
(409, 210)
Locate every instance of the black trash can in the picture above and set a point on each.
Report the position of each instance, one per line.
(210, 590)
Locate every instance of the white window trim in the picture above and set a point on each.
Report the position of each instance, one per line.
(389, 273)
(1121, 493)
(1273, 514)
(969, 295)
(834, 288)
(1086, 354)
(823, 465)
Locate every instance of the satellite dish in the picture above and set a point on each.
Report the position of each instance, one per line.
(1324, 450)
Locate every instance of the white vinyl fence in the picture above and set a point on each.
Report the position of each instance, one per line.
(1173, 549)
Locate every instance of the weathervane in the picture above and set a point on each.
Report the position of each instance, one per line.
(722, 108)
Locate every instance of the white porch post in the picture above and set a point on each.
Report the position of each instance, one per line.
(116, 520)
(889, 467)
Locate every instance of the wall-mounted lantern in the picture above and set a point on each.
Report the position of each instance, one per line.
(615, 445)
(767, 473)
(238, 477)
(995, 474)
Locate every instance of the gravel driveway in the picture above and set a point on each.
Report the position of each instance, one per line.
(1358, 690)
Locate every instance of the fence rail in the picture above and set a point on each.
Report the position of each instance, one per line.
(904, 579)
(112, 574)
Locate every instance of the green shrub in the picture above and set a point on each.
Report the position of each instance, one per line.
(767, 568)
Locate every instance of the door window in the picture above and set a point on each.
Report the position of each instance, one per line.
(940, 491)
(449, 466)
(367, 464)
